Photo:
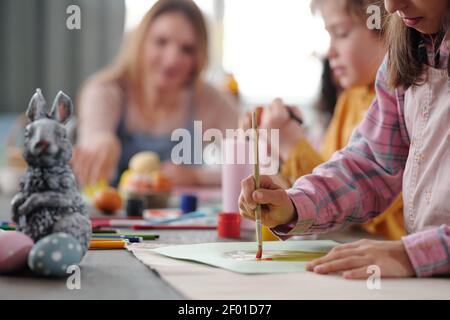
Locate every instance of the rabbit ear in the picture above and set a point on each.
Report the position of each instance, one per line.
(37, 106)
(62, 108)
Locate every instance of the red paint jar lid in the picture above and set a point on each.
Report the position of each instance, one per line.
(229, 225)
(229, 216)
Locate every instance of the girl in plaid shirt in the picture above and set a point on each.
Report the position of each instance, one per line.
(403, 144)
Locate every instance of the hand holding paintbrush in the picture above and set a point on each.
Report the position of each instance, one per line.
(262, 199)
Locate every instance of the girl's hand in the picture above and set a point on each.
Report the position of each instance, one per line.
(276, 209)
(96, 160)
(276, 116)
(353, 259)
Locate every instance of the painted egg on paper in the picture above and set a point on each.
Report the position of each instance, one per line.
(52, 255)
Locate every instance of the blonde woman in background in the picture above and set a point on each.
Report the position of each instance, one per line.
(153, 88)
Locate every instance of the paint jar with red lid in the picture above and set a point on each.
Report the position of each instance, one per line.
(229, 225)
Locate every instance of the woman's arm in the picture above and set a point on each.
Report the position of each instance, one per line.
(98, 110)
(98, 149)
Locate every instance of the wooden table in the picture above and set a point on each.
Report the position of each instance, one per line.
(117, 274)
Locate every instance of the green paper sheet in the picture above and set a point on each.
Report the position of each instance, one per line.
(278, 256)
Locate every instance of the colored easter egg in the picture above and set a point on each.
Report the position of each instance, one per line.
(144, 162)
(162, 183)
(108, 200)
(14, 249)
(52, 255)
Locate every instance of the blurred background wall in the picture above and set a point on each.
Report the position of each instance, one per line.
(38, 50)
(271, 47)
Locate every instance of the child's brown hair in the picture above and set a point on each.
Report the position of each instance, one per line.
(357, 9)
(405, 63)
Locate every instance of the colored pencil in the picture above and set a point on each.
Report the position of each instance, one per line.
(186, 216)
(179, 227)
(102, 231)
(108, 244)
(117, 235)
(293, 116)
(127, 223)
(117, 223)
(7, 227)
(117, 238)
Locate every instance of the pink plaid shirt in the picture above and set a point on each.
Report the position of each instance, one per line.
(361, 180)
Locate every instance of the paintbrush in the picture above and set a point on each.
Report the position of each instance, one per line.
(257, 186)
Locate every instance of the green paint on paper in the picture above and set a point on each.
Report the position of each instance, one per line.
(278, 256)
(302, 256)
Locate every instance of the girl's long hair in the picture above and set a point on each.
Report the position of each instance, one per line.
(405, 61)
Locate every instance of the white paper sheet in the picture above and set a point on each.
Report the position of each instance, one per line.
(200, 281)
(278, 256)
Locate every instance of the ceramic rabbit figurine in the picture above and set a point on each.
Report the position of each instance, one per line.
(49, 200)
